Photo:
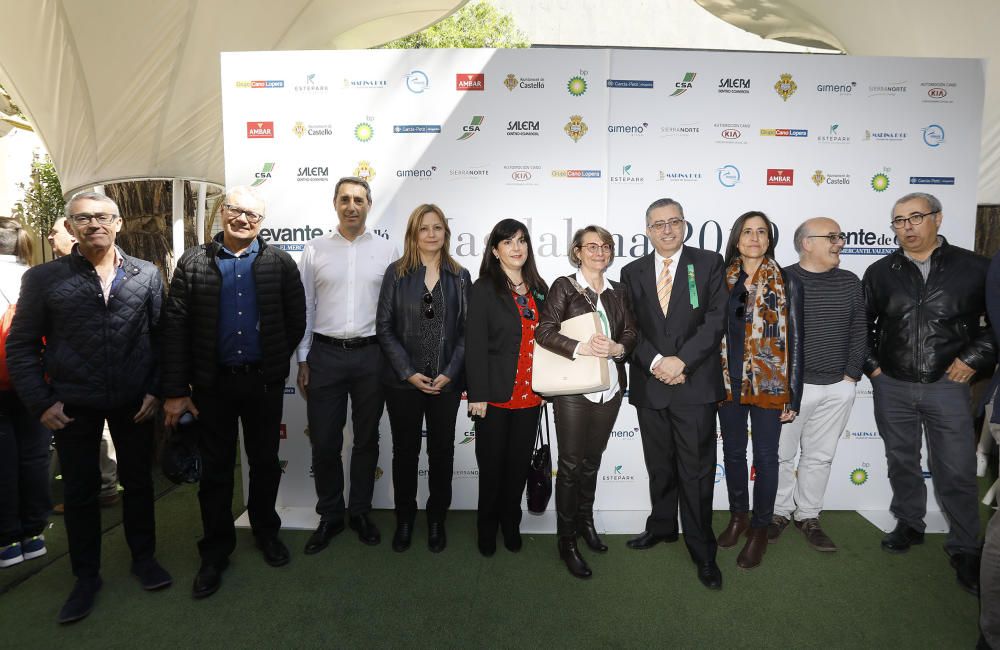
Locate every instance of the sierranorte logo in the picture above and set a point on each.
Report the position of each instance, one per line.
(576, 86)
(880, 182)
(859, 476)
(364, 132)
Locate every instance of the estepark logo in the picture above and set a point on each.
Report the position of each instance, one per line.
(784, 133)
(364, 132)
(728, 175)
(933, 135)
(734, 86)
(263, 175)
(680, 130)
(627, 177)
(842, 89)
(301, 128)
(532, 83)
(685, 84)
(619, 475)
(860, 474)
(417, 172)
(834, 136)
(523, 127)
(472, 128)
(821, 179)
(257, 130)
(577, 84)
(936, 92)
(780, 176)
(678, 176)
(269, 83)
(522, 174)
(887, 89)
(884, 136)
(313, 175)
(310, 86)
(470, 81)
(785, 86)
(631, 83)
(639, 128)
(416, 81)
(576, 128)
(576, 173)
(365, 84)
(407, 129)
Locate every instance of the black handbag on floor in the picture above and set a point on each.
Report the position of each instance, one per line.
(540, 471)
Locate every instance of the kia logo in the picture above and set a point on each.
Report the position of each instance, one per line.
(521, 176)
(937, 93)
(731, 134)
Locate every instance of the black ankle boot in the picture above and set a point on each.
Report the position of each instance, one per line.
(590, 536)
(570, 554)
(404, 535)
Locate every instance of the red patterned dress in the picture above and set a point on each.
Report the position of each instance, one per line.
(523, 397)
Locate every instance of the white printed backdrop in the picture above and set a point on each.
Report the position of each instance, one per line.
(564, 138)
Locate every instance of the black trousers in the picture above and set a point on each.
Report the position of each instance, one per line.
(407, 410)
(679, 446)
(79, 444)
(582, 430)
(237, 398)
(505, 439)
(335, 373)
(24, 472)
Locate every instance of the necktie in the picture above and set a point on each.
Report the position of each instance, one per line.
(664, 286)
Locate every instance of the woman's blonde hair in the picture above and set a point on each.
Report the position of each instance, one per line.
(14, 240)
(410, 261)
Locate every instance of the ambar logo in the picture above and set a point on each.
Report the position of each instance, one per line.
(260, 130)
(470, 81)
(780, 176)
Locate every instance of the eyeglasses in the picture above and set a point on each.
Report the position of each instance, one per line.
(834, 237)
(594, 249)
(234, 212)
(914, 219)
(659, 226)
(428, 305)
(83, 218)
(526, 311)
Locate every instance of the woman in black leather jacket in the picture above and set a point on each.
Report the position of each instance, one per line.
(762, 363)
(420, 325)
(584, 422)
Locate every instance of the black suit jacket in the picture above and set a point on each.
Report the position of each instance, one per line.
(492, 343)
(691, 333)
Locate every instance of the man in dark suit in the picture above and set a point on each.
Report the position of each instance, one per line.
(679, 297)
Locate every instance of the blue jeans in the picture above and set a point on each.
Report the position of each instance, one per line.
(766, 429)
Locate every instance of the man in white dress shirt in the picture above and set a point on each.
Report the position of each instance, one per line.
(339, 356)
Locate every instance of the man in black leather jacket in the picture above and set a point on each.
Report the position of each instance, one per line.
(928, 338)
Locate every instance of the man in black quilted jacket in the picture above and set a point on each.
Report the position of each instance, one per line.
(235, 313)
(82, 349)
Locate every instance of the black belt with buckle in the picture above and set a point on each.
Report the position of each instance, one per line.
(347, 344)
(245, 369)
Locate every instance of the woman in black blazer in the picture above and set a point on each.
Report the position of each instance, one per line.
(503, 314)
(420, 325)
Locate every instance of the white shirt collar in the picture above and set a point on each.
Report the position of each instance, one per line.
(583, 282)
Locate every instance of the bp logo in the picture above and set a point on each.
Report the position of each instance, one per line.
(785, 87)
(859, 476)
(364, 132)
(880, 182)
(576, 86)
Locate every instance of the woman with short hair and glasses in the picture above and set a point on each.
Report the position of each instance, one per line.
(500, 339)
(420, 324)
(583, 422)
(762, 366)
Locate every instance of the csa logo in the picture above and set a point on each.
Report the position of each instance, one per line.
(785, 86)
(365, 170)
(576, 128)
(880, 182)
(472, 128)
(577, 86)
(257, 130)
(263, 175)
(684, 84)
(859, 476)
(470, 81)
(468, 436)
(364, 132)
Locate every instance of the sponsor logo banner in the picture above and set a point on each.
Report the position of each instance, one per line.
(685, 84)
(416, 128)
(512, 81)
(780, 176)
(932, 180)
(734, 86)
(576, 173)
(269, 83)
(630, 83)
(785, 133)
(475, 81)
(257, 130)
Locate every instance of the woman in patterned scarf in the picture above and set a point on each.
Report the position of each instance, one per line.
(762, 370)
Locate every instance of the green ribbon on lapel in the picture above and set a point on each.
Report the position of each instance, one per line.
(692, 289)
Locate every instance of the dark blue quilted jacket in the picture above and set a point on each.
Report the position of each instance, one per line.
(95, 355)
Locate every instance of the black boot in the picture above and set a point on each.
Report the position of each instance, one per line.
(570, 554)
(404, 535)
(590, 536)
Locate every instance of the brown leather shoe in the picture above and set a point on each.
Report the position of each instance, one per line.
(59, 509)
(753, 551)
(738, 523)
(815, 536)
(776, 527)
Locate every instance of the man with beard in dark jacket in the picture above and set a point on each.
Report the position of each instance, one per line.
(927, 340)
(235, 313)
(97, 310)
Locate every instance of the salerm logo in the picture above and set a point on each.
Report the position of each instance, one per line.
(884, 135)
(631, 83)
(674, 176)
(301, 128)
(734, 86)
(406, 129)
(512, 81)
(263, 175)
(257, 130)
(834, 135)
(313, 174)
(780, 176)
(820, 178)
(784, 133)
(576, 173)
(933, 135)
(619, 475)
(267, 83)
(685, 84)
(523, 127)
(842, 88)
(417, 172)
(628, 176)
(470, 81)
(637, 128)
(473, 127)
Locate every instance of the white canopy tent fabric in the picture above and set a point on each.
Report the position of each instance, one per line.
(915, 28)
(129, 89)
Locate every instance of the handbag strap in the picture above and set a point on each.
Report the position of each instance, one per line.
(543, 415)
(583, 292)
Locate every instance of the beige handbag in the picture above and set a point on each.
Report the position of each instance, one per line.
(552, 374)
